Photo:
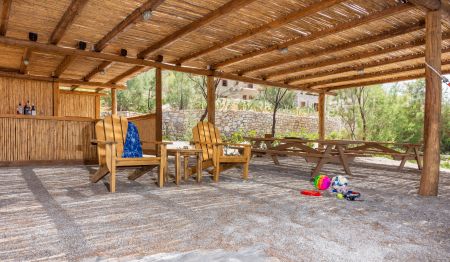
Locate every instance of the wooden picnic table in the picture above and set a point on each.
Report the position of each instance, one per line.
(332, 151)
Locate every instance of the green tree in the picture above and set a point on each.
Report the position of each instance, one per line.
(278, 98)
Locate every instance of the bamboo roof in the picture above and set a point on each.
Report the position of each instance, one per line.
(315, 45)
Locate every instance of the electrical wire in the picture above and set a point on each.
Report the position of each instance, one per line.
(443, 78)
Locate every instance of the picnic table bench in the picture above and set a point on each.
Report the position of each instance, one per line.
(332, 151)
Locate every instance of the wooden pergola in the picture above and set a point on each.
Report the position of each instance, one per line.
(312, 45)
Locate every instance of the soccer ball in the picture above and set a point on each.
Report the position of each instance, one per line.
(339, 184)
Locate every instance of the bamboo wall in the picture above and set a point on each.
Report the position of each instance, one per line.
(77, 105)
(26, 138)
(13, 90)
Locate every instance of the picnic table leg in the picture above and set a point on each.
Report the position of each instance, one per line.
(404, 158)
(275, 159)
(418, 157)
(343, 160)
(322, 161)
(185, 164)
(177, 167)
(199, 167)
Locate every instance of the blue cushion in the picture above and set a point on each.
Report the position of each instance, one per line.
(132, 147)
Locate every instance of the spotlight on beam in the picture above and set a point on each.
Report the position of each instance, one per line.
(82, 45)
(123, 52)
(360, 71)
(32, 36)
(26, 62)
(147, 15)
(103, 72)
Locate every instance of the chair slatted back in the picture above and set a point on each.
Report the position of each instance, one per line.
(111, 128)
(205, 132)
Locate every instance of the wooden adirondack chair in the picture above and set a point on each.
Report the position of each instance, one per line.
(207, 138)
(111, 133)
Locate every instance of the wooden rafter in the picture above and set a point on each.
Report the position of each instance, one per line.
(61, 80)
(354, 57)
(383, 81)
(63, 65)
(66, 20)
(223, 10)
(25, 60)
(131, 19)
(125, 74)
(58, 50)
(302, 12)
(385, 73)
(333, 49)
(433, 5)
(6, 10)
(324, 33)
(100, 68)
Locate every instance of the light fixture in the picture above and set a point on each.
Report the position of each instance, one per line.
(283, 50)
(103, 72)
(123, 52)
(26, 61)
(82, 45)
(146, 15)
(360, 71)
(32, 36)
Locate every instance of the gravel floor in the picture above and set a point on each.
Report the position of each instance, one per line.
(55, 214)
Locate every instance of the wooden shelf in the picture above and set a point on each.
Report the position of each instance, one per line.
(57, 118)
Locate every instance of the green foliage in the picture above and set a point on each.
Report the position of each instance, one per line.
(392, 114)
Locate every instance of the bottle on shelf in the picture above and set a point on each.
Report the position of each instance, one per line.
(27, 108)
(20, 109)
(33, 110)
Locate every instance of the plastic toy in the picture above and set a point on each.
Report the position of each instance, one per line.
(322, 182)
(310, 193)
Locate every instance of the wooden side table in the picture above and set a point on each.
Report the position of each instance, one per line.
(186, 154)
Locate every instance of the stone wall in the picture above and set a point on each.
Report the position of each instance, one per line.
(178, 124)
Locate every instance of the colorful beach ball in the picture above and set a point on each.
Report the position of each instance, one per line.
(322, 182)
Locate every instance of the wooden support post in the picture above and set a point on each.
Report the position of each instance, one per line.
(158, 104)
(211, 99)
(433, 92)
(113, 102)
(97, 107)
(56, 100)
(321, 116)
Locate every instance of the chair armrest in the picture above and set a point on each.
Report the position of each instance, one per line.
(237, 145)
(155, 142)
(103, 142)
(208, 144)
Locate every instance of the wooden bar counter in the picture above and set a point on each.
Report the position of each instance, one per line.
(30, 140)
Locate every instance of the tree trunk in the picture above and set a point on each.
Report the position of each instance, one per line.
(274, 120)
(205, 113)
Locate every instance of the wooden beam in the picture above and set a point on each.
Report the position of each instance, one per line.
(321, 116)
(211, 99)
(58, 50)
(125, 74)
(6, 10)
(433, 98)
(302, 12)
(103, 66)
(131, 19)
(84, 93)
(382, 81)
(385, 73)
(66, 20)
(223, 10)
(158, 104)
(323, 33)
(341, 47)
(62, 80)
(63, 65)
(354, 57)
(113, 102)
(357, 67)
(97, 107)
(26, 57)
